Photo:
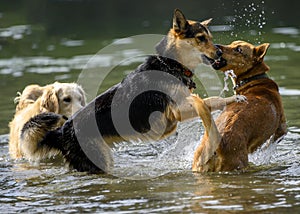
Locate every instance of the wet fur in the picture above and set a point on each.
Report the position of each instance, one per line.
(242, 127)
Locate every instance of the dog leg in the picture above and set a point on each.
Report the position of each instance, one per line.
(211, 138)
(218, 103)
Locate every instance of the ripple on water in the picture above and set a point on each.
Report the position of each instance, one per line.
(289, 92)
(290, 45)
(286, 31)
(15, 32)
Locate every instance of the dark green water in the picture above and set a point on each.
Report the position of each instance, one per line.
(46, 41)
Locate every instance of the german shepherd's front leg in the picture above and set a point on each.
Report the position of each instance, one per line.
(218, 103)
(211, 139)
(187, 110)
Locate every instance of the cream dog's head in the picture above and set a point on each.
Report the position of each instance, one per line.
(63, 98)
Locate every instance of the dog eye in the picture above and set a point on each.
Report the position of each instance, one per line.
(201, 38)
(239, 50)
(67, 99)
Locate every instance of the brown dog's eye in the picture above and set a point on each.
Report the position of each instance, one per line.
(201, 38)
(239, 50)
(67, 99)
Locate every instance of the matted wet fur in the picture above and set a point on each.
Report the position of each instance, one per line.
(61, 98)
(85, 139)
(242, 127)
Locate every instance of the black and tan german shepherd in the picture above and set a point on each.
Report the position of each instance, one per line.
(146, 105)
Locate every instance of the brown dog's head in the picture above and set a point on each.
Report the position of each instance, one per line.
(241, 57)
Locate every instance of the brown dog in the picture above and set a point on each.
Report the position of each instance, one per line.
(242, 127)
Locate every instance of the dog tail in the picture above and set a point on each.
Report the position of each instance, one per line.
(33, 133)
(91, 155)
(211, 135)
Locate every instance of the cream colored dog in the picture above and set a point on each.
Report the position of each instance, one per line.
(61, 98)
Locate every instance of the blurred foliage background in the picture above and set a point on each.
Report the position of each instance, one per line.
(117, 18)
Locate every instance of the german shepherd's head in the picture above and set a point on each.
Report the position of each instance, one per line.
(187, 42)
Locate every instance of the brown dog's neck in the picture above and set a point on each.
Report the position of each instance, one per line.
(257, 72)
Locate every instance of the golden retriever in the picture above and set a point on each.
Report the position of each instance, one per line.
(62, 98)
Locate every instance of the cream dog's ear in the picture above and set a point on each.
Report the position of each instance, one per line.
(49, 101)
(83, 97)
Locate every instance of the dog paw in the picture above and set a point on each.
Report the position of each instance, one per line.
(240, 98)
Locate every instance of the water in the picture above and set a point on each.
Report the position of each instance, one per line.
(155, 177)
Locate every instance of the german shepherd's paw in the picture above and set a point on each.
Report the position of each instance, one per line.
(240, 98)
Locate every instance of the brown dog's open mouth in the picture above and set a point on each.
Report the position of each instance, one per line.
(215, 63)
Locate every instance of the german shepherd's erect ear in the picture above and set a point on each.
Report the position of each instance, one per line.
(180, 24)
(206, 22)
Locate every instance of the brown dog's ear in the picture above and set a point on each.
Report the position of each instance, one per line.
(49, 101)
(206, 22)
(260, 51)
(180, 23)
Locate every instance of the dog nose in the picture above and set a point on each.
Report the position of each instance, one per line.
(219, 51)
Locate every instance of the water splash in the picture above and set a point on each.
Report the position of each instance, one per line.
(228, 74)
(139, 161)
(251, 16)
(267, 153)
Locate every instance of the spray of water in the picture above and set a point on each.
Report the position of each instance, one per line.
(266, 153)
(252, 16)
(228, 74)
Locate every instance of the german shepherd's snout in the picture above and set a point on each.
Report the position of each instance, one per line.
(219, 52)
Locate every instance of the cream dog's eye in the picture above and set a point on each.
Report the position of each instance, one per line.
(67, 99)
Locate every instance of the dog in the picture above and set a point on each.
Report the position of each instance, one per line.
(61, 98)
(242, 127)
(146, 105)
